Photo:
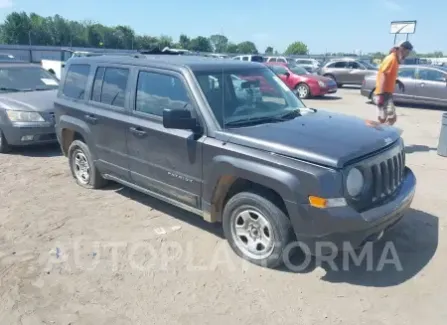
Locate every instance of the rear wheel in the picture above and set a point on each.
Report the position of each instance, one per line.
(82, 166)
(257, 229)
(303, 91)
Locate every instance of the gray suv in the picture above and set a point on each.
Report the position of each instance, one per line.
(347, 71)
(266, 167)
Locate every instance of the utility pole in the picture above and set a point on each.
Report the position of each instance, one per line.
(29, 37)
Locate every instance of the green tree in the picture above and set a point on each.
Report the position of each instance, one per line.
(296, 48)
(165, 41)
(232, 48)
(201, 44)
(16, 28)
(377, 56)
(145, 42)
(219, 43)
(184, 42)
(269, 50)
(247, 47)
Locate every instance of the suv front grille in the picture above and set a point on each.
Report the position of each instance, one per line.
(383, 173)
(387, 176)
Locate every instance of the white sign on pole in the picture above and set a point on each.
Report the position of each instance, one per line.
(403, 27)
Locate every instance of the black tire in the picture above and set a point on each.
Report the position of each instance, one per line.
(4, 146)
(95, 179)
(304, 85)
(280, 226)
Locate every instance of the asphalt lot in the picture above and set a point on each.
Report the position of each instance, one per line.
(116, 257)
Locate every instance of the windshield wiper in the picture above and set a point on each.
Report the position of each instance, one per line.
(267, 119)
(252, 121)
(14, 89)
(42, 88)
(290, 115)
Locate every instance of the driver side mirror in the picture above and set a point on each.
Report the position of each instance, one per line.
(287, 74)
(179, 119)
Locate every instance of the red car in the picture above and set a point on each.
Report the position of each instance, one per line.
(300, 80)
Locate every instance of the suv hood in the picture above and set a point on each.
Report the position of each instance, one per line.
(39, 101)
(323, 138)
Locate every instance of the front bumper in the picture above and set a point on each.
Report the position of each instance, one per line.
(317, 90)
(22, 134)
(345, 227)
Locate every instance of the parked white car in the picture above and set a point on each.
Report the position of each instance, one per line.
(251, 58)
(281, 59)
(56, 66)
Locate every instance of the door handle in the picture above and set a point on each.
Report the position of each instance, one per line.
(91, 118)
(137, 131)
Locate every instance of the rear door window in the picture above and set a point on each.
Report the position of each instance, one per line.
(338, 65)
(110, 86)
(354, 65)
(406, 73)
(76, 81)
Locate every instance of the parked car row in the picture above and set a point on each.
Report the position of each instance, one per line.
(424, 84)
(227, 140)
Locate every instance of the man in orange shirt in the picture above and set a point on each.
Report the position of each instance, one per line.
(386, 82)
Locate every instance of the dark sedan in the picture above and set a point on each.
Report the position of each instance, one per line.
(27, 94)
(424, 84)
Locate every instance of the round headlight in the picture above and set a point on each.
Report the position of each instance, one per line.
(354, 182)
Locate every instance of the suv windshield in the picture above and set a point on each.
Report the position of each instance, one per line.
(26, 79)
(247, 96)
(297, 69)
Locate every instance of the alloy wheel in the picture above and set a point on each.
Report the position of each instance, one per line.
(252, 233)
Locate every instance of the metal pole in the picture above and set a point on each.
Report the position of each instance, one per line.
(29, 37)
(407, 37)
(395, 36)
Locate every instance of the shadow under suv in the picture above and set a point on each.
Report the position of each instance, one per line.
(271, 170)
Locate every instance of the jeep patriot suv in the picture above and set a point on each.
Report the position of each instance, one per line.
(271, 170)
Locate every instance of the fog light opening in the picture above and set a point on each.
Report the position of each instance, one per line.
(27, 138)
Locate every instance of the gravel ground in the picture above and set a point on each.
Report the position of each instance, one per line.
(116, 257)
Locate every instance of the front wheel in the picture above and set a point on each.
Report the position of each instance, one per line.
(256, 229)
(4, 146)
(303, 91)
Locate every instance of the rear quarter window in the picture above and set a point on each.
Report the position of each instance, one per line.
(75, 82)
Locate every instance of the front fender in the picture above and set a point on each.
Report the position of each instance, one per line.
(284, 183)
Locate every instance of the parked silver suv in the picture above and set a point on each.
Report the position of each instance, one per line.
(347, 71)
